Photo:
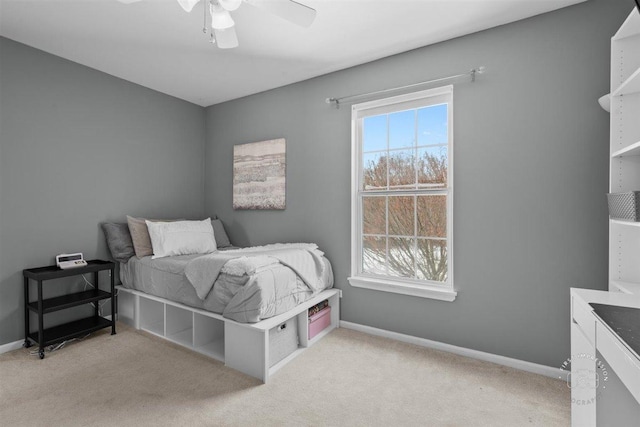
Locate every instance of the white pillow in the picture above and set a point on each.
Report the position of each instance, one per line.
(181, 238)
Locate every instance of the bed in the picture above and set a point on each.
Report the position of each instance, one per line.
(249, 308)
(243, 284)
(248, 298)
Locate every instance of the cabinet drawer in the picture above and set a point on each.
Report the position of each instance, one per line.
(620, 359)
(584, 318)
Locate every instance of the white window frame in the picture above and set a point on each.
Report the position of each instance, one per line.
(421, 288)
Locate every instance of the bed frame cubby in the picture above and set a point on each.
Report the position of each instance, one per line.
(242, 346)
(152, 316)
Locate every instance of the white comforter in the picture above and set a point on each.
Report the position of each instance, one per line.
(305, 259)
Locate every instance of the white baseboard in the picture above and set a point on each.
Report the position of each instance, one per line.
(522, 365)
(4, 348)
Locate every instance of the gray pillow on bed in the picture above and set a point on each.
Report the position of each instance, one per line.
(222, 240)
(119, 240)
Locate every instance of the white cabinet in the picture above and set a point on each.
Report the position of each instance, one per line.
(605, 373)
(624, 236)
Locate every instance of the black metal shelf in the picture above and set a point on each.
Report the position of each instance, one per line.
(71, 300)
(43, 337)
(71, 330)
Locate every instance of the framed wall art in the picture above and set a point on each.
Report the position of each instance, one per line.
(259, 175)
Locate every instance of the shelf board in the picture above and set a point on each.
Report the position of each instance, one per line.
(629, 86)
(71, 300)
(632, 288)
(321, 335)
(630, 27)
(213, 349)
(155, 328)
(71, 330)
(623, 222)
(631, 150)
(184, 337)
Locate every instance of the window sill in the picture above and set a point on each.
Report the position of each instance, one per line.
(422, 291)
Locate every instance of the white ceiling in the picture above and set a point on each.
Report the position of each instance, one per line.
(156, 44)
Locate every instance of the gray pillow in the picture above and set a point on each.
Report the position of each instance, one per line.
(222, 240)
(118, 240)
(139, 236)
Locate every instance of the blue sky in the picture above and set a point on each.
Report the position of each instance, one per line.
(400, 127)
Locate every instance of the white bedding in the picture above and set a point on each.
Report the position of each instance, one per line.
(305, 259)
(270, 288)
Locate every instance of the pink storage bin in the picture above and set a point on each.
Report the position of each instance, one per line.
(319, 321)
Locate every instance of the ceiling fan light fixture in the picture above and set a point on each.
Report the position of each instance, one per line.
(187, 5)
(220, 18)
(227, 39)
(230, 5)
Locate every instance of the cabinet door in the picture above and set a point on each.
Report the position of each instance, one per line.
(584, 379)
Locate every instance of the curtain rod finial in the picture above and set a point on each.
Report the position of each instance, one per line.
(335, 101)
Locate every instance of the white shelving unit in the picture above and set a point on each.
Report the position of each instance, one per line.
(588, 335)
(624, 236)
(241, 346)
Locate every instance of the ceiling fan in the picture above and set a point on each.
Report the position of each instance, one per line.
(222, 27)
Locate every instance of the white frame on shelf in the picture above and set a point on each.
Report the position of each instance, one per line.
(241, 346)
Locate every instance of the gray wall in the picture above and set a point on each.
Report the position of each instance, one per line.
(78, 147)
(531, 171)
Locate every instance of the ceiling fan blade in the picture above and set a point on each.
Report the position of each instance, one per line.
(226, 39)
(290, 10)
(187, 5)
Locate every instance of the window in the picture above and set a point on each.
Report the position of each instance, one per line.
(402, 194)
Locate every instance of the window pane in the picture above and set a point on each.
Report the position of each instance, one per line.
(375, 133)
(374, 171)
(401, 257)
(402, 173)
(374, 254)
(432, 216)
(374, 215)
(401, 216)
(432, 125)
(432, 164)
(432, 260)
(402, 129)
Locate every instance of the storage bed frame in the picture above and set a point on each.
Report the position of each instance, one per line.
(245, 347)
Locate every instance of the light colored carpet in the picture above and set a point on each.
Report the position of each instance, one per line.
(349, 378)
